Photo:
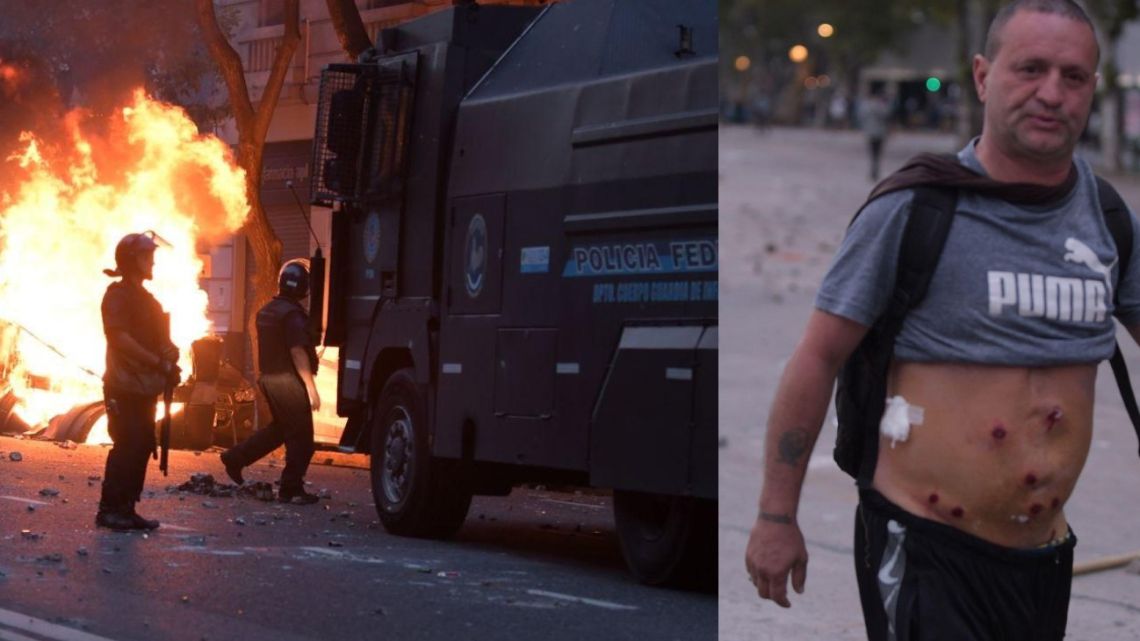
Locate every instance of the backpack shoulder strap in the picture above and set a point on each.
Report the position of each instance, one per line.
(1118, 220)
(1119, 223)
(924, 237)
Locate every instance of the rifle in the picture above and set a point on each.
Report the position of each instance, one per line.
(167, 396)
(164, 439)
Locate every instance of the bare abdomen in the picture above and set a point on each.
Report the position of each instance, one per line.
(998, 452)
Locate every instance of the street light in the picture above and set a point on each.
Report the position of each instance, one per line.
(742, 63)
(798, 53)
(825, 30)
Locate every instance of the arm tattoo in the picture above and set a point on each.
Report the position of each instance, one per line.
(782, 519)
(792, 446)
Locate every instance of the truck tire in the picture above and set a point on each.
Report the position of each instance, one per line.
(667, 540)
(415, 494)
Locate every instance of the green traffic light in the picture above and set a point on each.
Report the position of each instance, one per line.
(933, 84)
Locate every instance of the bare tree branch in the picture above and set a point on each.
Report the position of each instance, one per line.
(229, 62)
(281, 64)
(349, 27)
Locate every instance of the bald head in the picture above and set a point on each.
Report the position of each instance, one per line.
(1065, 8)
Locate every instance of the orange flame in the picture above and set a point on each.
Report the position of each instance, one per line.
(151, 170)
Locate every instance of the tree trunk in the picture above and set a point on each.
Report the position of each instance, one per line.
(252, 126)
(1111, 128)
(969, 109)
(349, 27)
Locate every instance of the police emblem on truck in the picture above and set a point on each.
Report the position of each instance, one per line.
(475, 256)
(371, 237)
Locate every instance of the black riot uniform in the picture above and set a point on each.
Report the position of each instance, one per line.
(135, 377)
(282, 325)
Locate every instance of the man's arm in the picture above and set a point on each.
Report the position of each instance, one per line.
(776, 545)
(301, 362)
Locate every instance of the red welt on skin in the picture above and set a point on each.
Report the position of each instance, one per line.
(1030, 479)
(999, 432)
(957, 512)
(1053, 417)
(933, 498)
(1056, 502)
(1036, 508)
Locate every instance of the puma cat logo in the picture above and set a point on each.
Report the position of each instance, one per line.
(1081, 253)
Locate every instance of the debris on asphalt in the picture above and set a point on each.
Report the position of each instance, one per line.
(239, 521)
(49, 491)
(205, 485)
(54, 557)
(336, 544)
(185, 599)
(82, 551)
(15, 457)
(448, 574)
(422, 569)
(209, 505)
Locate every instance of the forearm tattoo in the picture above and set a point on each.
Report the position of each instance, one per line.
(793, 445)
(782, 519)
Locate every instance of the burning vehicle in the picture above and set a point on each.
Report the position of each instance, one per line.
(64, 203)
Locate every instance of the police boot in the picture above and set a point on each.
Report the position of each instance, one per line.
(296, 496)
(114, 518)
(140, 523)
(233, 468)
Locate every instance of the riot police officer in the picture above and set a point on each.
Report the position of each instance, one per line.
(288, 362)
(141, 364)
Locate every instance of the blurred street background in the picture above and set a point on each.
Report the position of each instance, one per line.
(815, 65)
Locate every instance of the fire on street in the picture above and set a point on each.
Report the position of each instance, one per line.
(536, 562)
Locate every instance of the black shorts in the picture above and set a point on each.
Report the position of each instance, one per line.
(920, 580)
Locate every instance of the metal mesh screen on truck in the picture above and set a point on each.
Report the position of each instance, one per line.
(363, 120)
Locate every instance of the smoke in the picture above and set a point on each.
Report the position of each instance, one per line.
(92, 55)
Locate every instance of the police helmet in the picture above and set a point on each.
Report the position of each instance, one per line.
(293, 279)
(129, 247)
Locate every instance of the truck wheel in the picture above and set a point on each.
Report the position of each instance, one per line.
(415, 494)
(667, 540)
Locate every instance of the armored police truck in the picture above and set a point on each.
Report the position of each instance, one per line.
(523, 269)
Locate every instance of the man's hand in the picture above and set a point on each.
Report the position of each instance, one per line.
(775, 548)
(314, 398)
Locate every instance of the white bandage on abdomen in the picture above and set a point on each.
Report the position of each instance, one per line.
(897, 419)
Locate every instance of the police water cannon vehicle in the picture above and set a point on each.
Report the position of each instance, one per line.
(523, 266)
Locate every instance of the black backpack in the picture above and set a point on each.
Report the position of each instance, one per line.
(861, 391)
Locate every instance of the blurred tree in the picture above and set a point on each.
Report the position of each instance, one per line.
(1111, 16)
(864, 29)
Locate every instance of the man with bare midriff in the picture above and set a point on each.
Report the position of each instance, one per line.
(961, 533)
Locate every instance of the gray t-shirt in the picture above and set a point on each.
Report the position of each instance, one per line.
(1015, 285)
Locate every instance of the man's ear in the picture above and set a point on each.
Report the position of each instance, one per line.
(981, 72)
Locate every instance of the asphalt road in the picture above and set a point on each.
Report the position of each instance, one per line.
(536, 564)
(785, 199)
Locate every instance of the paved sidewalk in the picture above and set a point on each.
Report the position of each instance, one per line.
(786, 196)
